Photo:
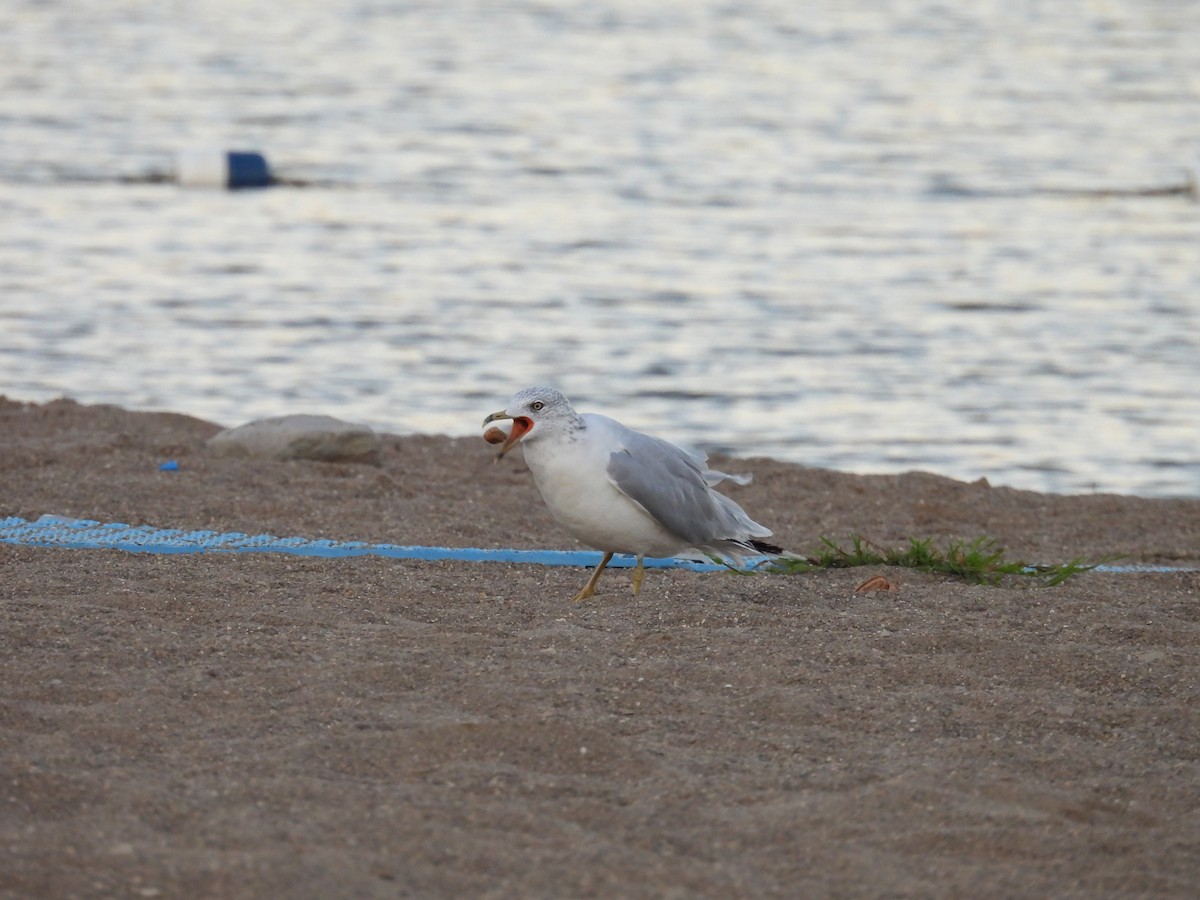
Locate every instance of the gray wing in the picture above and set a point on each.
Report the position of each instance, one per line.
(673, 487)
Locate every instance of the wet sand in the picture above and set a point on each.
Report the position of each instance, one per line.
(257, 725)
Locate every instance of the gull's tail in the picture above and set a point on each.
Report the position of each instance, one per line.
(738, 549)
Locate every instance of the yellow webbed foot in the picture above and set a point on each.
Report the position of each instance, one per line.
(590, 588)
(639, 573)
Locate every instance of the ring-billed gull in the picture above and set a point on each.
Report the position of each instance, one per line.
(622, 491)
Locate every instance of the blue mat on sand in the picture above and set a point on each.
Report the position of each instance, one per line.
(83, 534)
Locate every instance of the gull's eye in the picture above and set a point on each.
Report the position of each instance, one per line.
(537, 405)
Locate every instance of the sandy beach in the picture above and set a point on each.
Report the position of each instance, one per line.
(262, 725)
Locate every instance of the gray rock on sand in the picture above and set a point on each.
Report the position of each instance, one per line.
(321, 438)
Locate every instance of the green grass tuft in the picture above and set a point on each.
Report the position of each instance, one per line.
(980, 561)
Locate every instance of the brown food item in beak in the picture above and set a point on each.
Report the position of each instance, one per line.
(495, 435)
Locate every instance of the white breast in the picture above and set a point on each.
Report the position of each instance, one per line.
(571, 474)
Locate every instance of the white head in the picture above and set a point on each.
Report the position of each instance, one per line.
(535, 412)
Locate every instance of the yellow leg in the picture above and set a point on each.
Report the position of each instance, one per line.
(639, 573)
(590, 587)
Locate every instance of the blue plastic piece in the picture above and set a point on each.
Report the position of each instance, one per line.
(169, 466)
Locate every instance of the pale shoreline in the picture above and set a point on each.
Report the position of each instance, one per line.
(256, 725)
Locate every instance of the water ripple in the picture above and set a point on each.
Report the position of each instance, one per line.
(874, 239)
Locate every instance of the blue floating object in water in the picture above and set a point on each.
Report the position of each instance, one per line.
(169, 466)
(248, 170)
(199, 167)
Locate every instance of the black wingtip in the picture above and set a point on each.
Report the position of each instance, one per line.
(764, 547)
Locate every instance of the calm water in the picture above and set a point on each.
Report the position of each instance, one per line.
(868, 238)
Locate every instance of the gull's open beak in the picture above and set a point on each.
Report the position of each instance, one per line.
(520, 428)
